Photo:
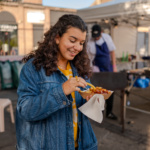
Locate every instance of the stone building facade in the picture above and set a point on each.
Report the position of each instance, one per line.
(97, 2)
(23, 22)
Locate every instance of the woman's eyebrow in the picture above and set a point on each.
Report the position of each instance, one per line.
(73, 37)
(77, 38)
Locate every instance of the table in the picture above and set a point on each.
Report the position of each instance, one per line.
(113, 81)
(119, 81)
(136, 73)
(11, 58)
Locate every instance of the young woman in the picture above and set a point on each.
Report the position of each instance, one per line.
(47, 116)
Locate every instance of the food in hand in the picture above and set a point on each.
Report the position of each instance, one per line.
(90, 85)
(99, 90)
(96, 90)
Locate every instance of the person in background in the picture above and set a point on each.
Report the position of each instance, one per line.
(101, 51)
(47, 115)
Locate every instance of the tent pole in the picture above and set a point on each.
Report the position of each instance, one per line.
(112, 31)
(149, 47)
(136, 40)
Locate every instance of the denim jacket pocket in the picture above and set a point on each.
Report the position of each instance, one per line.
(48, 85)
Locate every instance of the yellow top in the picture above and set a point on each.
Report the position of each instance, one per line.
(68, 74)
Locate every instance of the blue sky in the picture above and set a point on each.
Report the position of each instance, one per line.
(75, 4)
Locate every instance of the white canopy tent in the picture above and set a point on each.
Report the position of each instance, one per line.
(124, 18)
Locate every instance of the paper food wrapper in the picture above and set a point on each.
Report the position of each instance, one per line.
(86, 93)
(94, 107)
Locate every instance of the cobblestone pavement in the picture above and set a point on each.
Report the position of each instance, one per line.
(108, 133)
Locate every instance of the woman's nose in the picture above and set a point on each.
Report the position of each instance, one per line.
(78, 47)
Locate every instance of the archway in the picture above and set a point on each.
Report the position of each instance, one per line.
(8, 33)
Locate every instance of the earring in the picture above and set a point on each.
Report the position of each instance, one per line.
(57, 42)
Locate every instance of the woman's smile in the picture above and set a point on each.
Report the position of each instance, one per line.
(73, 53)
(71, 43)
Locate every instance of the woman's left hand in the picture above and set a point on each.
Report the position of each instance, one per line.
(88, 97)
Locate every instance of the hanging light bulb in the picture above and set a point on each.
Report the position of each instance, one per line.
(106, 20)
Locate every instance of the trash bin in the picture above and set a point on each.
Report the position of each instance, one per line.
(6, 75)
(16, 69)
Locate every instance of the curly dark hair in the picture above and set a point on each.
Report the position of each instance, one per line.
(46, 54)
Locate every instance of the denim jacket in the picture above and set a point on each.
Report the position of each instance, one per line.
(44, 118)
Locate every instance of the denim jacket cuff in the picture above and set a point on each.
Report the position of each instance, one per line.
(60, 96)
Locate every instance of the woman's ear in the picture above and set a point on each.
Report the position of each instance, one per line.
(57, 39)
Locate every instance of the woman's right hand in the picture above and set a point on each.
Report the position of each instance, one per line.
(73, 84)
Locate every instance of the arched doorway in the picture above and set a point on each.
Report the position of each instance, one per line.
(8, 34)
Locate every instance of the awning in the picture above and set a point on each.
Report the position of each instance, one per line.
(135, 12)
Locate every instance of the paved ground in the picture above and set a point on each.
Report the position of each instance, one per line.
(109, 135)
